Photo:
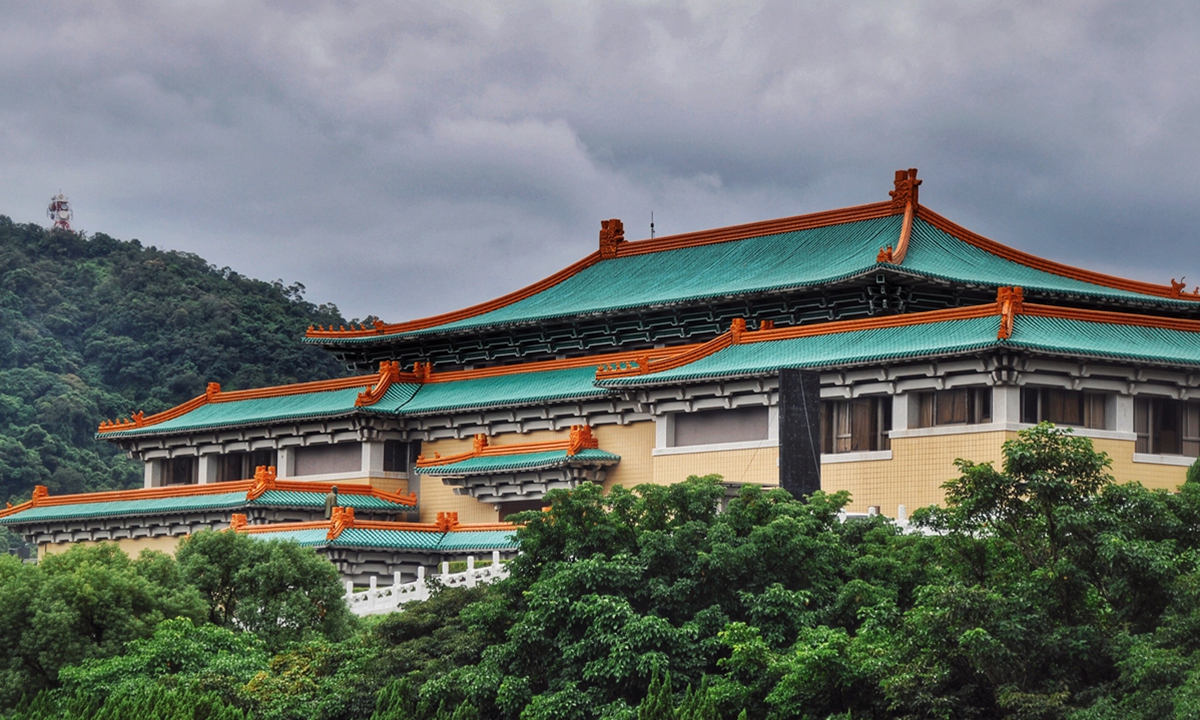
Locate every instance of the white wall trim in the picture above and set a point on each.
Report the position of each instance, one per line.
(353, 475)
(1005, 426)
(716, 447)
(833, 458)
(1177, 460)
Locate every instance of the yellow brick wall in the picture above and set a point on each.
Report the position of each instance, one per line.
(130, 547)
(758, 466)
(914, 475)
(634, 444)
(1124, 469)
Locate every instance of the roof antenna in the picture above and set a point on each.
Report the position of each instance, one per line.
(651, 224)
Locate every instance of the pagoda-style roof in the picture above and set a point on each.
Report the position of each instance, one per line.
(1009, 324)
(344, 530)
(264, 491)
(899, 238)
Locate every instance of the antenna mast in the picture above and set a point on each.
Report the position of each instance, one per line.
(651, 224)
(60, 211)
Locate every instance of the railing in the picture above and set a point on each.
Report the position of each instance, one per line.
(379, 600)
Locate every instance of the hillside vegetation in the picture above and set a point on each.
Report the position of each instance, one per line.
(94, 328)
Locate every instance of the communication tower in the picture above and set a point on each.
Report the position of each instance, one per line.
(60, 211)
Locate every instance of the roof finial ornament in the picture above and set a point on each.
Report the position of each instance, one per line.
(904, 199)
(612, 234)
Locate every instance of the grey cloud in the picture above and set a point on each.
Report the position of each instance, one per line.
(404, 159)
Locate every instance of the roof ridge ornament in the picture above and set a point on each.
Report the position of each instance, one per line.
(264, 480)
(340, 519)
(1010, 302)
(612, 235)
(581, 438)
(905, 199)
(447, 521)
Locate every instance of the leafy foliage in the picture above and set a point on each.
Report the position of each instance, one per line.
(95, 328)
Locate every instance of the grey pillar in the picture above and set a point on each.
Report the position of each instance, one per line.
(799, 432)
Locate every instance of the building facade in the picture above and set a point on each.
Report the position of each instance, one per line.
(862, 349)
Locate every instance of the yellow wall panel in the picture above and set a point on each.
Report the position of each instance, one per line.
(634, 443)
(757, 466)
(131, 547)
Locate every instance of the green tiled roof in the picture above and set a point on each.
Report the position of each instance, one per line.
(456, 541)
(772, 262)
(231, 501)
(505, 390)
(526, 461)
(942, 338)
(151, 506)
(1073, 338)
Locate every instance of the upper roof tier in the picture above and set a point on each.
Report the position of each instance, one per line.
(899, 237)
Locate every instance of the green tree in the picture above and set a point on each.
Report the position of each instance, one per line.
(276, 589)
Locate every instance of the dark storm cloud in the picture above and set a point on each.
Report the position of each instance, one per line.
(403, 160)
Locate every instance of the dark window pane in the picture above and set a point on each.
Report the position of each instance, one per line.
(710, 427)
(322, 459)
(395, 456)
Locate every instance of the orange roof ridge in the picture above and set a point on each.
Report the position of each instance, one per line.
(579, 438)
(643, 364)
(1111, 317)
(871, 323)
(375, 386)
(810, 221)
(548, 365)
(431, 527)
(1174, 291)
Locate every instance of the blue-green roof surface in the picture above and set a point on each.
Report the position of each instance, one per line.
(456, 541)
(190, 503)
(1052, 335)
(505, 391)
(525, 461)
(772, 262)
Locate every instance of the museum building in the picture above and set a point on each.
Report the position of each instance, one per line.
(861, 349)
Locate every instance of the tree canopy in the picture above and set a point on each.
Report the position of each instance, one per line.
(94, 328)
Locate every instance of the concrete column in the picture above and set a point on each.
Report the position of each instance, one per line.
(285, 462)
(208, 468)
(372, 460)
(900, 411)
(1122, 407)
(153, 476)
(1006, 404)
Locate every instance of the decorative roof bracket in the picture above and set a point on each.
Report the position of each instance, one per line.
(904, 199)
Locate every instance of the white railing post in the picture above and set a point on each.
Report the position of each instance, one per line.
(375, 600)
(470, 571)
(445, 569)
(396, 580)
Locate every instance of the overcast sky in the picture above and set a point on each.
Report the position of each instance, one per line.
(401, 159)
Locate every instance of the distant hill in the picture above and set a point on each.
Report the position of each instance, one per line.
(94, 328)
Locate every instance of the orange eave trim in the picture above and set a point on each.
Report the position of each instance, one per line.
(1055, 268)
(580, 437)
(377, 525)
(794, 223)
(208, 489)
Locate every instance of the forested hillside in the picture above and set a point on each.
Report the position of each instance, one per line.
(95, 327)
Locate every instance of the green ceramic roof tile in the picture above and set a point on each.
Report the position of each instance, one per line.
(505, 390)
(524, 461)
(771, 262)
(457, 541)
(293, 498)
(314, 537)
(1103, 340)
(484, 540)
(150, 506)
(832, 350)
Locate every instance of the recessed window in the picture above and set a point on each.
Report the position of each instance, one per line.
(326, 459)
(962, 406)
(180, 471)
(712, 427)
(395, 456)
(1064, 407)
(241, 465)
(858, 425)
(1167, 427)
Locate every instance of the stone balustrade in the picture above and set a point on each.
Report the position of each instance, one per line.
(377, 600)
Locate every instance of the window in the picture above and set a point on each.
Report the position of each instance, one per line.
(241, 465)
(180, 471)
(711, 427)
(395, 456)
(1064, 407)
(859, 425)
(324, 459)
(964, 406)
(1166, 427)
